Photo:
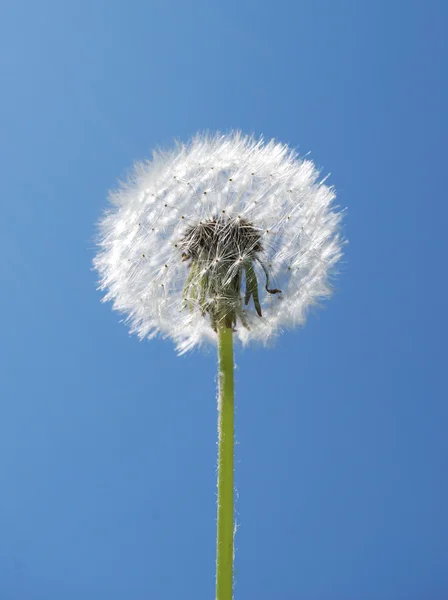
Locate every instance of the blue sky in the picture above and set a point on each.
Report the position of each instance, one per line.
(107, 444)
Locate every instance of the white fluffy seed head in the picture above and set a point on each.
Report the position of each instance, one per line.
(224, 231)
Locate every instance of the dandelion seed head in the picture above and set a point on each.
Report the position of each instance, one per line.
(225, 230)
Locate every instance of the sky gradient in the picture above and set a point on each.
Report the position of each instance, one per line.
(108, 444)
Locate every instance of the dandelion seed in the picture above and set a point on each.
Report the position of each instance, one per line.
(265, 204)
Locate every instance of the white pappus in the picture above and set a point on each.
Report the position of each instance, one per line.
(225, 230)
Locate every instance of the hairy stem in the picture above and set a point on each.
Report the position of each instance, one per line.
(225, 526)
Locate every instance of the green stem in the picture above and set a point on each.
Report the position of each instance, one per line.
(225, 528)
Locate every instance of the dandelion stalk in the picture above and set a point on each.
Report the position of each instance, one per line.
(225, 525)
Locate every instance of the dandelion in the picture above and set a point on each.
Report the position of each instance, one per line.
(227, 237)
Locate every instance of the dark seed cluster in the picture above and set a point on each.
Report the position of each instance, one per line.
(225, 238)
(223, 252)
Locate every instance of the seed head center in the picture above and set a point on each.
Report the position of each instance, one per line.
(224, 238)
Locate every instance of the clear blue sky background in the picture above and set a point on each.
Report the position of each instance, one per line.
(107, 444)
